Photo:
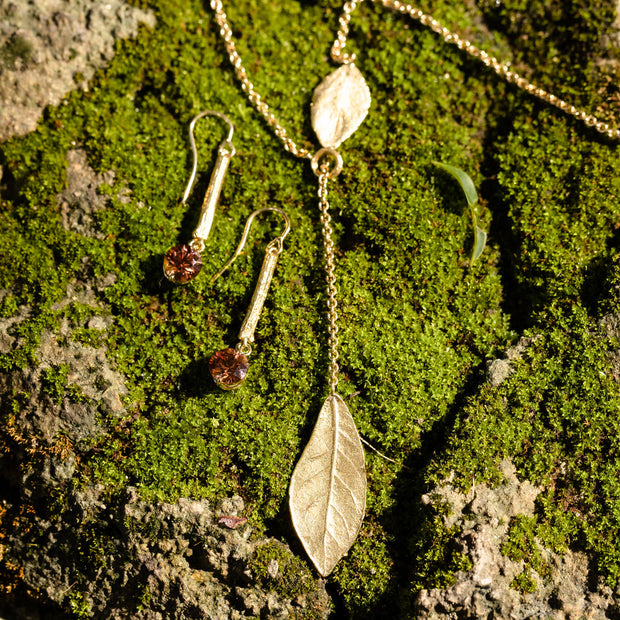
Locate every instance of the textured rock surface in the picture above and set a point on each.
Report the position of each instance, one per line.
(610, 327)
(501, 368)
(49, 47)
(45, 412)
(81, 200)
(483, 516)
(91, 387)
(162, 561)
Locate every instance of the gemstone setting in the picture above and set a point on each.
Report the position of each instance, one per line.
(228, 368)
(182, 263)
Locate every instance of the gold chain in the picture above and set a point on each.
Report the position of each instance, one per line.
(330, 273)
(501, 69)
(248, 87)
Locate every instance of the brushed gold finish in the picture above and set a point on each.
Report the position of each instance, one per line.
(274, 249)
(212, 195)
(339, 105)
(225, 152)
(248, 327)
(327, 496)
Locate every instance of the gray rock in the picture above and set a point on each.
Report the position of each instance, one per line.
(610, 328)
(81, 200)
(8, 339)
(499, 370)
(484, 592)
(89, 386)
(169, 561)
(50, 47)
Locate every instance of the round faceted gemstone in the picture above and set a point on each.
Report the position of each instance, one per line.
(182, 263)
(228, 368)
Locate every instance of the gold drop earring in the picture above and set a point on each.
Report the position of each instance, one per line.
(183, 262)
(229, 367)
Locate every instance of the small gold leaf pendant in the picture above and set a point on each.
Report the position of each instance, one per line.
(339, 105)
(327, 496)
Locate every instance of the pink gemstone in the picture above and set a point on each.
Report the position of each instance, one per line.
(182, 263)
(228, 368)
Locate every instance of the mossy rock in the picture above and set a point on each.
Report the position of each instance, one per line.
(418, 323)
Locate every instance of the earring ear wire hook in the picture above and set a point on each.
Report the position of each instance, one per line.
(274, 246)
(182, 262)
(225, 148)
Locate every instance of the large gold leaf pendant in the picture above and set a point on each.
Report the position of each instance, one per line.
(328, 488)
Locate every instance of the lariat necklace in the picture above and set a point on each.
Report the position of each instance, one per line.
(327, 495)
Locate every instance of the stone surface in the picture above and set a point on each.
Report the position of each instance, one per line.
(72, 384)
(92, 388)
(485, 592)
(80, 201)
(50, 47)
(500, 369)
(228, 368)
(610, 328)
(182, 263)
(161, 561)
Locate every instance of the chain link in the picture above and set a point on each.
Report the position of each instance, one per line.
(330, 277)
(248, 87)
(343, 33)
(503, 70)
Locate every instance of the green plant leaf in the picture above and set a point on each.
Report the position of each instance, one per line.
(469, 189)
(467, 185)
(480, 241)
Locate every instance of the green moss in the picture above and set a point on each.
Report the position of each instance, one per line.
(54, 382)
(524, 583)
(145, 598)
(18, 400)
(521, 545)
(417, 325)
(95, 338)
(437, 558)
(78, 313)
(14, 49)
(364, 580)
(9, 306)
(78, 605)
(555, 418)
(292, 577)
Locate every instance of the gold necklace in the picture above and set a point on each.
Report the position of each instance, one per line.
(327, 494)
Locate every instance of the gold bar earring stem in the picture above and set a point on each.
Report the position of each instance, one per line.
(246, 333)
(207, 213)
